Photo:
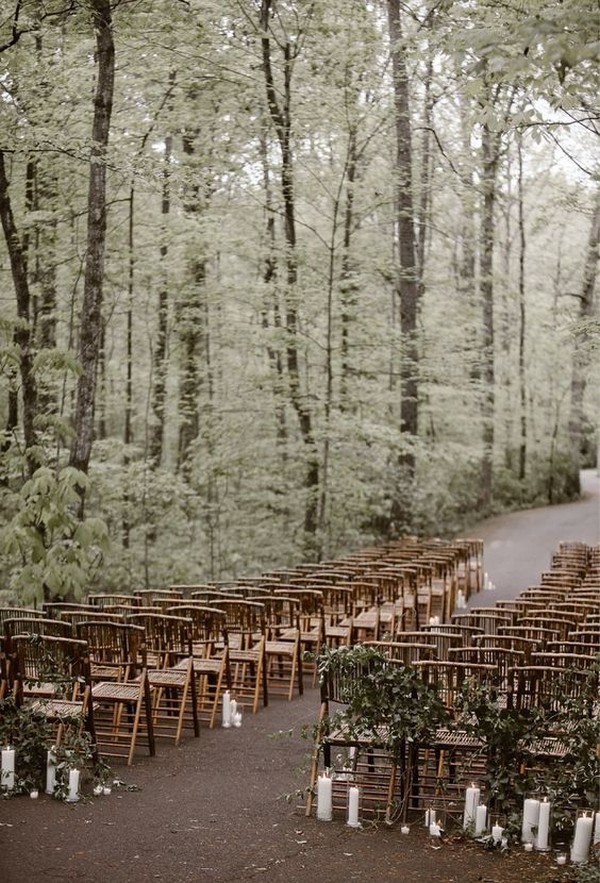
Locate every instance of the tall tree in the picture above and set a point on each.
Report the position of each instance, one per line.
(23, 334)
(581, 350)
(90, 333)
(408, 283)
(279, 103)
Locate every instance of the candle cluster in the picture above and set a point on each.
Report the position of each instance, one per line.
(231, 712)
(535, 825)
(325, 801)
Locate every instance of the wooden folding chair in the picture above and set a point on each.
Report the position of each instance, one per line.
(283, 649)
(171, 675)
(342, 747)
(210, 656)
(52, 675)
(122, 694)
(245, 630)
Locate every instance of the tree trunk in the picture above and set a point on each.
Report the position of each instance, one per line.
(348, 287)
(408, 285)
(90, 332)
(489, 151)
(281, 118)
(522, 320)
(581, 353)
(270, 302)
(159, 358)
(190, 318)
(23, 332)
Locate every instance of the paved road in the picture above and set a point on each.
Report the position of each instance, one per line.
(518, 546)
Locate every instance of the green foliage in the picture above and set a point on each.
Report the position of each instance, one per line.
(29, 735)
(510, 736)
(506, 734)
(384, 701)
(239, 505)
(47, 552)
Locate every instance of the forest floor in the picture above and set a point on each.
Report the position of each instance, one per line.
(225, 807)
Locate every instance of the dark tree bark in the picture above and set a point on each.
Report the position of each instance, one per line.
(159, 358)
(489, 151)
(280, 113)
(522, 321)
(192, 330)
(408, 285)
(23, 333)
(581, 354)
(348, 287)
(271, 311)
(91, 314)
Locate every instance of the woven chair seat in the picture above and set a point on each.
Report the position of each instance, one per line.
(201, 665)
(168, 677)
(244, 655)
(116, 692)
(281, 648)
(106, 671)
(546, 746)
(457, 739)
(57, 709)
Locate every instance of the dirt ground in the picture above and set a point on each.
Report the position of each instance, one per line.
(224, 808)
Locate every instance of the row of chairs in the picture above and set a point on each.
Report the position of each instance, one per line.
(523, 661)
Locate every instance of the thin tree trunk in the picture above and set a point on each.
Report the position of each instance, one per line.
(270, 276)
(522, 319)
(348, 287)
(281, 118)
(23, 332)
(91, 313)
(189, 324)
(408, 286)
(159, 389)
(489, 150)
(581, 351)
(159, 360)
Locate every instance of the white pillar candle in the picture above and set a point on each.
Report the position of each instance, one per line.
(497, 832)
(237, 719)
(435, 830)
(597, 828)
(430, 817)
(582, 839)
(50, 772)
(226, 709)
(471, 803)
(73, 794)
(34, 794)
(324, 799)
(531, 813)
(353, 799)
(8, 768)
(543, 827)
(405, 829)
(561, 859)
(480, 818)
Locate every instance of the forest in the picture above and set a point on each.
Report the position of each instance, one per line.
(284, 278)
